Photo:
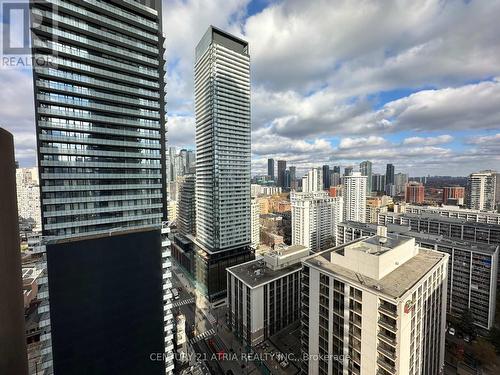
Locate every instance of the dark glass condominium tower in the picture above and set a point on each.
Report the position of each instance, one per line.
(100, 122)
(222, 105)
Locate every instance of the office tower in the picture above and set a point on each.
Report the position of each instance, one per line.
(389, 175)
(348, 171)
(336, 169)
(264, 294)
(28, 196)
(222, 106)
(313, 180)
(453, 195)
(474, 268)
(400, 181)
(414, 192)
(270, 168)
(281, 173)
(255, 231)
(286, 179)
(365, 168)
(378, 182)
(482, 190)
(191, 162)
(13, 357)
(354, 194)
(380, 299)
(326, 177)
(186, 211)
(100, 120)
(315, 216)
(335, 178)
(293, 178)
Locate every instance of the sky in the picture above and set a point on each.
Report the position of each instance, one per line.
(413, 83)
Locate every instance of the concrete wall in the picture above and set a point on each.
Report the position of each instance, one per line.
(13, 357)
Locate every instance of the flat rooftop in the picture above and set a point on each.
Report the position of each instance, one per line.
(404, 231)
(255, 272)
(438, 217)
(394, 285)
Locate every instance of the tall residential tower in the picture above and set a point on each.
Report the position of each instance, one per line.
(100, 120)
(222, 106)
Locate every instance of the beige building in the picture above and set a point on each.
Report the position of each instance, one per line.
(376, 205)
(28, 195)
(255, 223)
(374, 306)
(264, 294)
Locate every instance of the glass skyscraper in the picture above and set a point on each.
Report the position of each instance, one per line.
(222, 106)
(100, 115)
(100, 123)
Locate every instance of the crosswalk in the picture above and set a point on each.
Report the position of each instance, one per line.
(183, 302)
(201, 336)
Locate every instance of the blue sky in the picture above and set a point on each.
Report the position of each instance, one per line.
(412, 83)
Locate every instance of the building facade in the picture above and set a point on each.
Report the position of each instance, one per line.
(270, 168)
(264, 294)
(365, 168)
(375, 306)
(453, 195)
(313, 180)
(354, 194)
(389, 174)
(28, 196)
(255, 214)
(186, 210)
(454, 212)
(281, 173)
(481, 194)
(223, 233)
(315, 216)
(472, 268)
(101, 138)
(414, 192)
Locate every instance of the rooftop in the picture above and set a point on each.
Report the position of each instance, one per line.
(403, 231)
(395, 284)
(255, 272)
(438, 217)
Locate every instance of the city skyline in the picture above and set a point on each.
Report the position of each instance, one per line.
(373, 100)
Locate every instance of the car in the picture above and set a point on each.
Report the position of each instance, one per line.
(467, 338)
(451, 331)
(175, 294)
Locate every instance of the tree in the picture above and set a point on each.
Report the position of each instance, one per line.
(484, 351)
(466, 323)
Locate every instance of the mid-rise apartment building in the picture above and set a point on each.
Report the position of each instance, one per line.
(264, 294)
(472, 268)
(28, 195)
(453, 212)
(374, 306)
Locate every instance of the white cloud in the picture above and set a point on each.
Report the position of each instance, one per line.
(429, 141)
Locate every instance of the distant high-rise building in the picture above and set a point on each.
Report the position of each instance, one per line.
(348, 171)
(453, 195)
(366, 170)
(336, 169)
(326, 177)
(481, 191)
(313, 180)
(400, 181)
(375, 300)
(293, 178)
(315, 216)
(354, 193)
(389, 175)
(101, 138)
(270, 168)
(414, 192)
(281, 173)
(255, 214)
(335, 178)
(13, 357)
(378, 182)
(222, 106)
(186, 210)
(28, 196)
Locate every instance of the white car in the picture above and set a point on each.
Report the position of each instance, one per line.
(451, 331)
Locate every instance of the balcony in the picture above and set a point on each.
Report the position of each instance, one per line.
(384, 337)
(387, 325)
(390, 311)
(386, 366)
(387, 352)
